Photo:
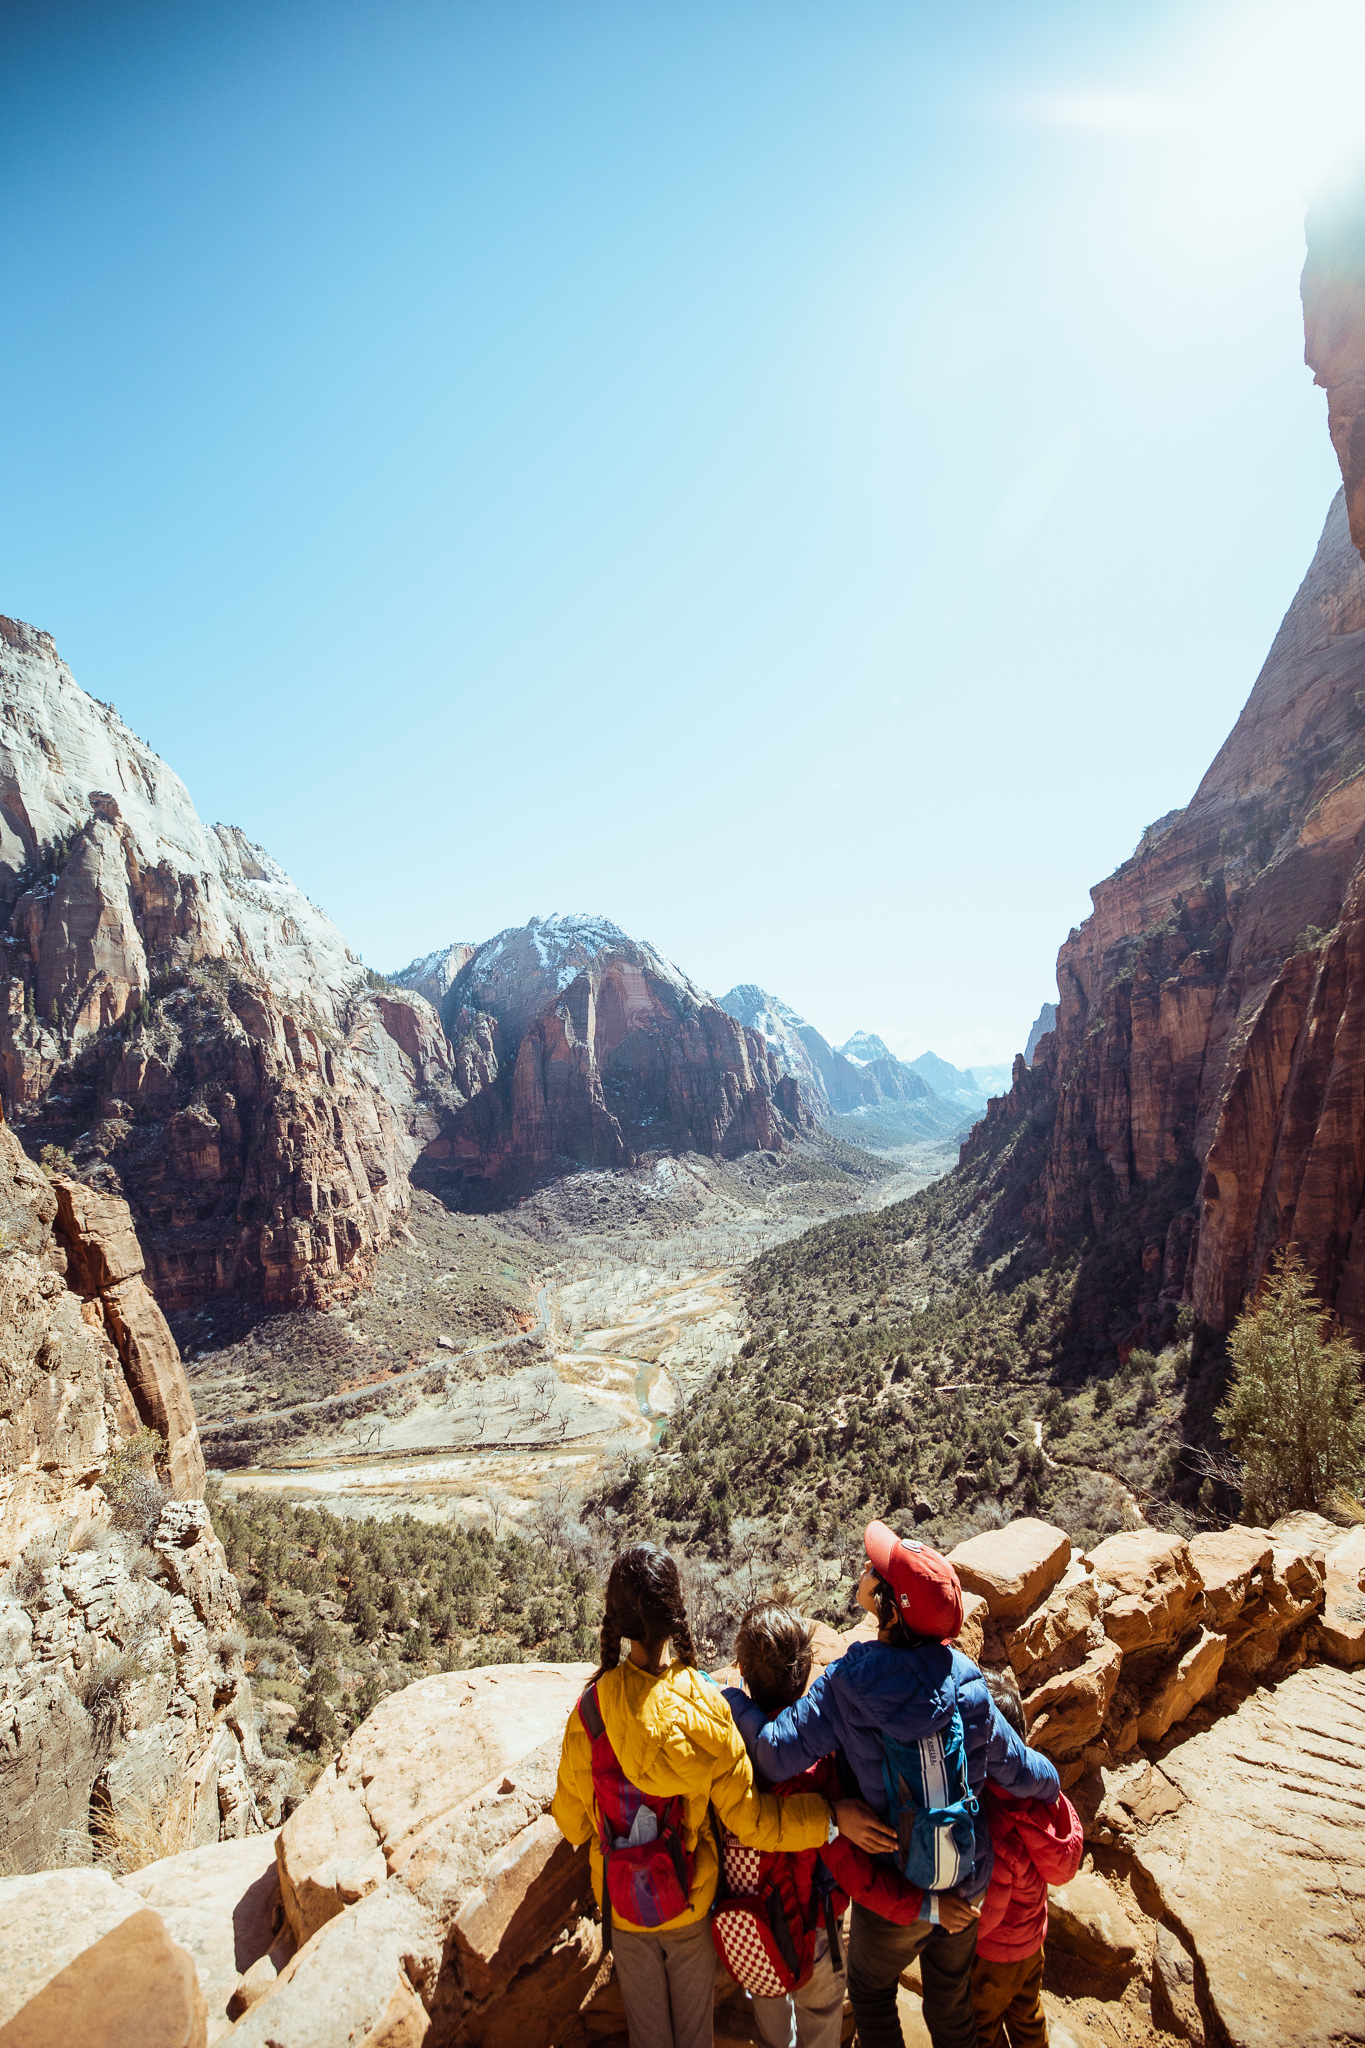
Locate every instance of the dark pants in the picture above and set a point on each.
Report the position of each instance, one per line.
(879, 1951)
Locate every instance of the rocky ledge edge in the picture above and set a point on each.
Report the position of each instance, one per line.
(1201, 1698)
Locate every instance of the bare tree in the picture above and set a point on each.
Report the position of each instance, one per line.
(547, 1520)
(562, 1490)
(498, 1503)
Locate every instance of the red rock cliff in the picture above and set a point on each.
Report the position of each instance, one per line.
(1210, 1035)
(573, 1041)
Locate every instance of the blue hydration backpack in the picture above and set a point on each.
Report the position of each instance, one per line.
(933, 1807)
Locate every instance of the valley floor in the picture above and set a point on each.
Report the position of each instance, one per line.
(500, 1357)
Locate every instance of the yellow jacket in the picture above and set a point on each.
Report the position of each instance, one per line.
(674, 1735)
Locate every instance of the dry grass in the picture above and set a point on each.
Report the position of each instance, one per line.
(143, 1831)
(1344, 1507)
(39, 1556)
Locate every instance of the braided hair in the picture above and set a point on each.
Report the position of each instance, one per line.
(644, 1602)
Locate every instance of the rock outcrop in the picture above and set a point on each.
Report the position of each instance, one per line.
(180, 1019)
(1118, 1647)
(1210, 1034)
(571, 1041)
(85, 1963)
(424, 1880)
(422, 1893)
(124, 1702)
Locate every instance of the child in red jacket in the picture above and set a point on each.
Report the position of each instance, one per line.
(1035, 1845)
(773, 1652)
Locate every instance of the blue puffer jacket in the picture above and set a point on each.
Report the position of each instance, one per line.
(910, 1694)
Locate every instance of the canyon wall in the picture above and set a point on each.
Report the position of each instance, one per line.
(181, 1023)
(1208, 1052)
(124, 1700)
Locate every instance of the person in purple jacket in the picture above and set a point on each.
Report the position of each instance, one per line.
(908, 1684)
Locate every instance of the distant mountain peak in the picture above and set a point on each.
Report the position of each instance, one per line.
(952, 1083)
(863, 1047)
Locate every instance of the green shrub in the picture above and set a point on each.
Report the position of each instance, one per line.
(1294, 1412)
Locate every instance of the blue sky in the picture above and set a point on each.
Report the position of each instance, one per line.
(809, 482)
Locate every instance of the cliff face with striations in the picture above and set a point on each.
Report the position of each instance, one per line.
(123, 1695)
(572, 1041)
(181, 1021)
(1209, 1045)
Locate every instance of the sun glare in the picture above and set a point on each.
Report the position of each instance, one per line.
(1257, 111)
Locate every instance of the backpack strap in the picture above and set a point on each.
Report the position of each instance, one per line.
(590, 1714)
(836, 1953)
(722, 1889)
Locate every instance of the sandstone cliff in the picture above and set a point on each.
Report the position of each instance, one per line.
(123, 1696)
(1209, 1044)
(572, 1041)
(181, 1021)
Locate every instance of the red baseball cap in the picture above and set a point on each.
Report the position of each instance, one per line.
(927, 1589)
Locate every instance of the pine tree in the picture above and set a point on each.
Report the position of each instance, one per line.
(1294, 1411)
(317, 1724)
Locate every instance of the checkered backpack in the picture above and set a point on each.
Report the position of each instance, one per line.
(762, 1934)
(646, 1868)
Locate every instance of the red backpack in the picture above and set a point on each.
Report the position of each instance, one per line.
(763, 1930)
(646, 1867)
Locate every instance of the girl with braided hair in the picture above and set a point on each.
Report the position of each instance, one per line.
(668, 1731)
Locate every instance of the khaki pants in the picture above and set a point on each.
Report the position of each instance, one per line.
(668, 1985)
(812, 2017)
(1009, 2003)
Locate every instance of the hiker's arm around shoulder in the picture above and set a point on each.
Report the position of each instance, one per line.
(572, 1803)
(748, 1716)
(1012, 1764)
(760, 1819)
(801, 1734)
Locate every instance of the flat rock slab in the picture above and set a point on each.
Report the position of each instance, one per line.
(1303, 1530)
(222, 1904)
(46, 1921)
(1012, 1568)
(132, 1988)
(419, 1757)
(1261, 1868)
